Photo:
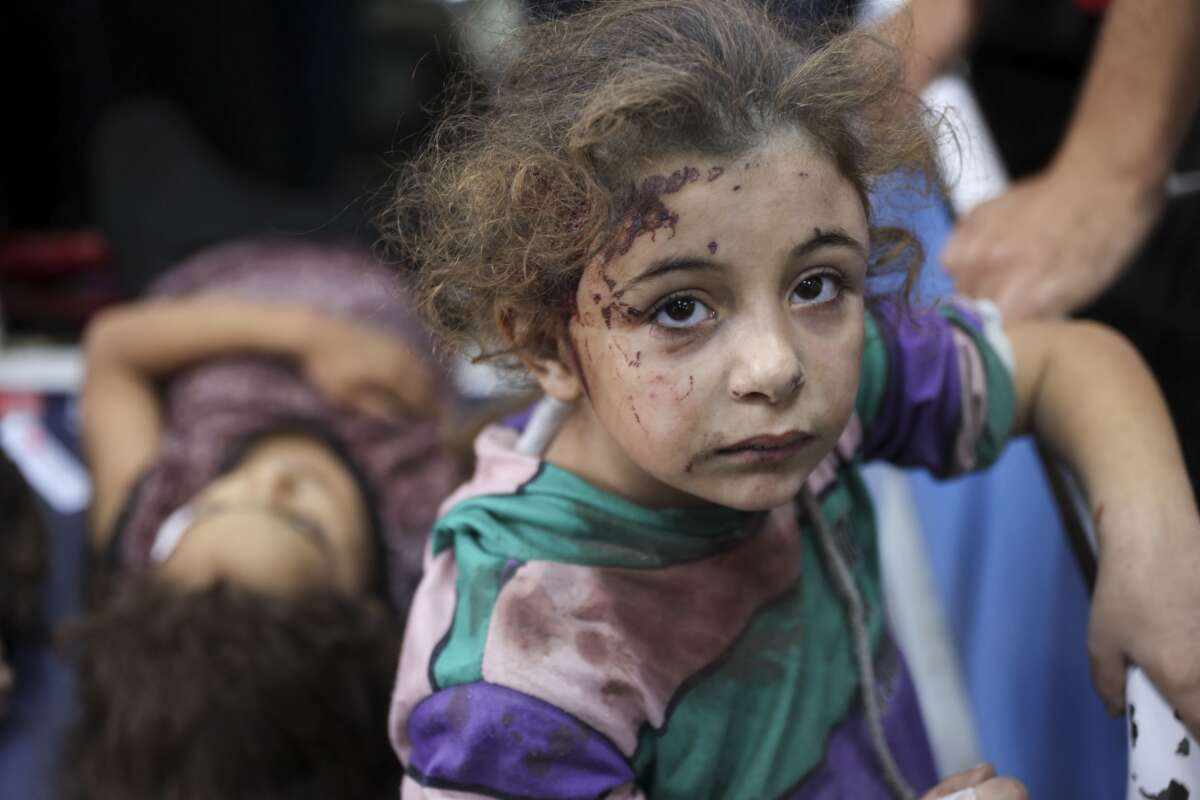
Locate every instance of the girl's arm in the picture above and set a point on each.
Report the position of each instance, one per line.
(130, 348)
(1085, 393)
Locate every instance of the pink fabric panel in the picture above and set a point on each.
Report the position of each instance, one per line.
(429, 618)
(601, 644)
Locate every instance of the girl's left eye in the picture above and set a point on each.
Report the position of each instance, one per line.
(681, 312)
(816, 289)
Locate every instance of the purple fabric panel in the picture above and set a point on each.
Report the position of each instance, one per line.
(491, 738)
(919, 415)
(519, 420)
(850, 768)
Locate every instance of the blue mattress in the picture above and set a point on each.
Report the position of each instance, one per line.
(1015, 601)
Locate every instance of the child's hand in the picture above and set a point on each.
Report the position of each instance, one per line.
(1147, 610)
(367, 371)
(978, 783)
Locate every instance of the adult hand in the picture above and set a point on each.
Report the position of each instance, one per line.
(1144, 610)
(367, 370)
(1053, 242)
(978, 783)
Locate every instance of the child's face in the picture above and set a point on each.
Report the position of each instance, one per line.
(719, 340)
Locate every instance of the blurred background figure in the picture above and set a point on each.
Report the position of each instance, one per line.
(265, 467)
(139, 138)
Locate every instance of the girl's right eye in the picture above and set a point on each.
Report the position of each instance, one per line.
(682, 312)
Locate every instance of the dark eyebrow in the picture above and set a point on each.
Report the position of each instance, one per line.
(664, 265)
(830, 238)
(835, 237)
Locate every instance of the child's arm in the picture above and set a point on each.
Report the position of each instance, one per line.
(1085, 393)
(128, 349)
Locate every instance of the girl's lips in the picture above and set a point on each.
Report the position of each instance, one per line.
(791, 440)
(764, 450)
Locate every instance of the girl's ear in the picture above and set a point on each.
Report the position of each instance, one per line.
(558, 375)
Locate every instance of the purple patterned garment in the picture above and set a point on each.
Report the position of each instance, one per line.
(212, 408)
(850, 767)
(921, 410)
(516, 743)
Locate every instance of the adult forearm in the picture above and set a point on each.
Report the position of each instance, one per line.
(930, 35)
(1141, 92)
(1090, 398)
(156, 337)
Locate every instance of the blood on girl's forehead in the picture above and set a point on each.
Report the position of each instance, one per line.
(647, 213)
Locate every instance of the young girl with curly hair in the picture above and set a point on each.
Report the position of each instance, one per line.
(665, 581)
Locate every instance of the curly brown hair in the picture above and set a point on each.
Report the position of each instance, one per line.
(506, 207)
(228, 693)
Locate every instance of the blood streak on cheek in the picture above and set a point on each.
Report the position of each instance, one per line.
(619, 306)
(634, 362)
(637, 417)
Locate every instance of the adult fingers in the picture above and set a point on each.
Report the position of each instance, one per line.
(1001, 789)
(961, 258)
(960, 781)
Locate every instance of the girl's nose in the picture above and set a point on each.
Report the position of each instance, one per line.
(768, 368)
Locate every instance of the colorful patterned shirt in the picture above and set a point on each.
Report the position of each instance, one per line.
(566, 643)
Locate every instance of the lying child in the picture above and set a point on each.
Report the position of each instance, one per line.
(667, 584)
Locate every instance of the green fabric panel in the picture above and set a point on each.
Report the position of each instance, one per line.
(459, 658)
(1001, 394)
(558, 516)
(872, 375)
(755, 723)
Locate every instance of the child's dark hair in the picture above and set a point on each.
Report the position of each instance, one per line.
(504, 210)
(225, 692)
(23, 556)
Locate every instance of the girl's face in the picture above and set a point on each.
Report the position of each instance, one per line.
(287, 518)
(717, 342)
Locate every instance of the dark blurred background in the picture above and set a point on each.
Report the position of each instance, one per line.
(135, 132)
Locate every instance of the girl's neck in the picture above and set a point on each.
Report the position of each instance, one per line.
(583, 447)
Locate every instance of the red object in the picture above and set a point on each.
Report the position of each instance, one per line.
(21, 401)
(53, 281)
(1093, 6)
(43, 254)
